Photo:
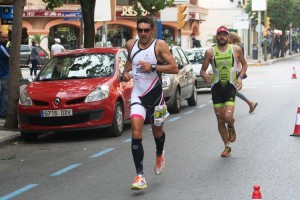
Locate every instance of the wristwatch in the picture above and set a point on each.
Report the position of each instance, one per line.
(153, 67)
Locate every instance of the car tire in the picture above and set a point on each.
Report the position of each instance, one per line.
(192, 101)
(118, 121)
(29, 137)
(177, 103)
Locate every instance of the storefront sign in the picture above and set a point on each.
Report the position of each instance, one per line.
(6, 21)
(128, 11)
(6, 2)
(45, 13)
(63, 29)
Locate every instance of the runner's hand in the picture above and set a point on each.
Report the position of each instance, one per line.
(126, 76)
(207, 78)
(239, 84)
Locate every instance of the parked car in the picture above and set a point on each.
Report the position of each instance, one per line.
(196, 57)
(25, 53)
(182, 86)
(79, 89)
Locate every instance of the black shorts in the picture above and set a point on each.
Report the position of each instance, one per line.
(223, 95)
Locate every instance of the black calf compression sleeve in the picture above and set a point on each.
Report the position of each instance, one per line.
(160, 144)
(138, 155)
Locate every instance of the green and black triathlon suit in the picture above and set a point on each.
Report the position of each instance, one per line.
(223, 86)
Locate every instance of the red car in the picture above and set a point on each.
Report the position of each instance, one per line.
(79, 89)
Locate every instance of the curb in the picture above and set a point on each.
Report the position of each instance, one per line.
(15, 136)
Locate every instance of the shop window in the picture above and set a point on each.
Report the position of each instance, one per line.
(68, 35)
(168, 35)
(117, 35)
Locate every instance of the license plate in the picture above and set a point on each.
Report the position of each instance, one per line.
(57, 113)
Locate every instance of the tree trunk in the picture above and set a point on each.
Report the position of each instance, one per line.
(153, 17)
(14, 66)
(88, 9)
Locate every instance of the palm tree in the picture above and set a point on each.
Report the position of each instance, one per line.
(38, 38)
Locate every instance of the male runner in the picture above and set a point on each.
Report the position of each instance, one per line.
(145, 58)
(223, 58)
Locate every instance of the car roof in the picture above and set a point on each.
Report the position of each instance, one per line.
(197, 49)
(92, 50)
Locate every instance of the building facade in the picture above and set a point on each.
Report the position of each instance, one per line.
(65, 23)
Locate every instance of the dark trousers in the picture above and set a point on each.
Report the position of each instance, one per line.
(34, 66)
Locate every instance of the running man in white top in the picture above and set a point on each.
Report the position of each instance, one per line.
(147, 58)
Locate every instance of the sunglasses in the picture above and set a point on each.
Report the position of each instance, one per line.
(146, 30)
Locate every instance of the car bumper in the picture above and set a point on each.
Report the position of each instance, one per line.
(81, 119)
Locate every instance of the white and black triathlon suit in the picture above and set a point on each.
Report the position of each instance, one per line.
(147, 88)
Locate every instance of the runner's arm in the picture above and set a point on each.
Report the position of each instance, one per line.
(170, 66)
(207, 59)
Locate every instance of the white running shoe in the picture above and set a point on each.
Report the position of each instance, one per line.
(160, 164)
(139, 183)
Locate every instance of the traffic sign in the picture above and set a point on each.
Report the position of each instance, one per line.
(6, 21)
(7, 12)
(71, 19)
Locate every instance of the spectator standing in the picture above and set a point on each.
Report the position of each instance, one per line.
(196, 43)
(57, 47)
(4, 70)
(34, 59)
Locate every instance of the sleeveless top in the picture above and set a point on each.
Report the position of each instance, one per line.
(224, 66)
(143, 81)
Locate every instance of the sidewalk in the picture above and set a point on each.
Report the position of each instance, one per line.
(252, 62)
(9, 136)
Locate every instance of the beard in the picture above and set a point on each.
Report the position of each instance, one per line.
(222, 44)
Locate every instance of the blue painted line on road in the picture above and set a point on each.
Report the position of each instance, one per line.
(127, 140)
(202, 106)
(19, 191)
(60, 172)
(102, 153)
(174, 119)
(189, 112)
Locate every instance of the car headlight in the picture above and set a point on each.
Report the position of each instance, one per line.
(24, 99)
(100, 93)
(166, 81)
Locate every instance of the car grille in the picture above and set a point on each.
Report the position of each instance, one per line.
(60, 121)
(57, 121)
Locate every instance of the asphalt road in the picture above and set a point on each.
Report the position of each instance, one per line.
(90, 165)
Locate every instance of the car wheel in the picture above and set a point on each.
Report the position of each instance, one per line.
(29, 137)
(118, 121)
(192, 101)
(177, 103)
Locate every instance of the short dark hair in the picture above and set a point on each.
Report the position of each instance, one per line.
(146, 20)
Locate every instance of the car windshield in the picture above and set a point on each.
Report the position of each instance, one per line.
(78, 67)
(195, 57)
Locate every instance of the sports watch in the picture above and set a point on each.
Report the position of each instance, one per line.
(153, 67)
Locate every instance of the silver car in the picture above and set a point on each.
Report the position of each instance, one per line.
(182, 86)
(196, 57)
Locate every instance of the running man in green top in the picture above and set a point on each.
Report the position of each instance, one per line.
(223, 58)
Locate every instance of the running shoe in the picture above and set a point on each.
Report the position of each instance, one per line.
(139, 183)
(226, 152)
(231, 133)
(160, 164)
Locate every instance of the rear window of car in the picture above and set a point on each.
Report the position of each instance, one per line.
(25, 49)
(79, 66)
